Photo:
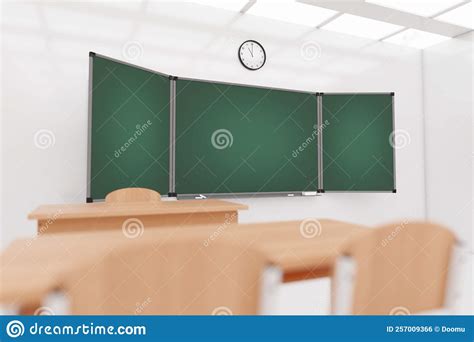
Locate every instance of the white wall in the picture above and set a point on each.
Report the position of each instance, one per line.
(448, 92)
(44, 82)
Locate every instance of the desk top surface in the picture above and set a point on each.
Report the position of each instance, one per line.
(103, 209)
(293, 245)
(283, 242)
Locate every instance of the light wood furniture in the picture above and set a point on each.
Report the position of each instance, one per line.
(395, 269)
(78, 262)
(220, 279)
(178, 277)
(107, 215)
(133, 195)
(299, 255)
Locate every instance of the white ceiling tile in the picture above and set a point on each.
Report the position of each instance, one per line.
(230, 5)
(361, 27)
(80, 22)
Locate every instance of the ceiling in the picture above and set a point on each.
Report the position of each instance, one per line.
(415, 23)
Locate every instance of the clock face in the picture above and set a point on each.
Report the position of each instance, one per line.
(252, 55)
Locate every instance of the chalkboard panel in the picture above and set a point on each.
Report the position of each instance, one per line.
(357, 150)
(129, 132)
(240, 139)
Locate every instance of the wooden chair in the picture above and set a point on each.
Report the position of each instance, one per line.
(396, 269)
(132, 195)
(177, 277)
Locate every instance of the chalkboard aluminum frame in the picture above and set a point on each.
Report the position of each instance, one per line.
(172, 155)
(249, 194)
(320, 141)
(392, 94)
(89, 128)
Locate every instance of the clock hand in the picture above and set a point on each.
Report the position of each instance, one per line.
(251, 51)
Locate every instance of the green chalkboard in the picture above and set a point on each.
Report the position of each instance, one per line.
(357, 151)
(129, 131)
(241, 139)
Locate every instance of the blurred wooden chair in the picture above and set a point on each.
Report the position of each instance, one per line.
(133, 195)
(178, 277)
(38, 297)
(396, 269)
(150, 274)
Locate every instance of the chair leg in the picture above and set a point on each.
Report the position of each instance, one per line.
(271, 280)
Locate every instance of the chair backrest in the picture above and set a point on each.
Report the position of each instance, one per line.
(133, 195)
(177, 277)
(396, 269)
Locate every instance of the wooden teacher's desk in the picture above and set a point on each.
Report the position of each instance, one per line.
(134, 215)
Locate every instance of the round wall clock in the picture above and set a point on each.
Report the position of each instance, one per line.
(252, 55)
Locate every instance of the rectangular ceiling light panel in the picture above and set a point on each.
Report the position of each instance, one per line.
(291, 12)
(417, 39)
(462, 16)
(424, 8)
